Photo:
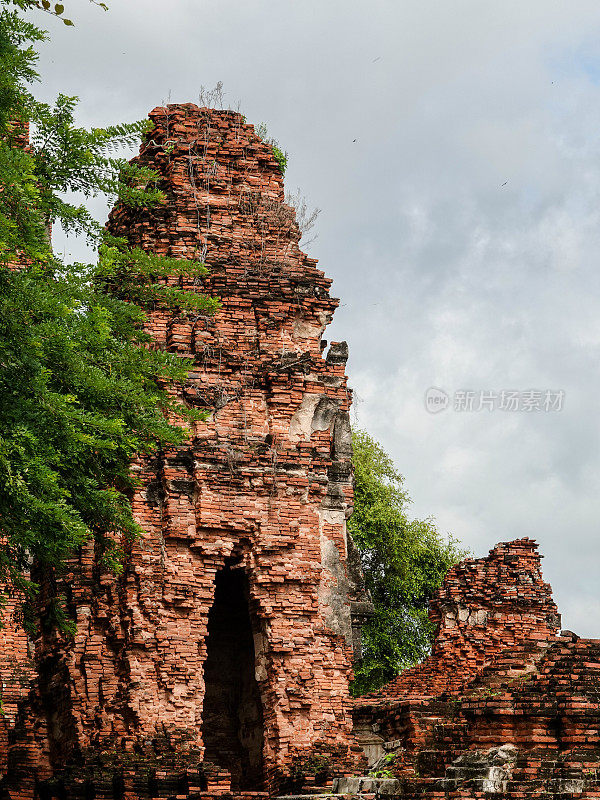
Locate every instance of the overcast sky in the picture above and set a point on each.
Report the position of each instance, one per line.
(454, 149)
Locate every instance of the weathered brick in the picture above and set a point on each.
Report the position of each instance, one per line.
(253, 507)
(504, 706)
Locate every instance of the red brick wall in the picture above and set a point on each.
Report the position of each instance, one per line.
(16, 670)
(265, 484)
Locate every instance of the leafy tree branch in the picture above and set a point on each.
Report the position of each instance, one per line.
(83, 388)
(404, 561)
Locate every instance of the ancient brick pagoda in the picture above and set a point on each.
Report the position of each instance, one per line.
(220, 661)
(241, 599)
(229, 639)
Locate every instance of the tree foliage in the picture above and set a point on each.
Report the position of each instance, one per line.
(82, 387)
(404, 560)
(53, 8)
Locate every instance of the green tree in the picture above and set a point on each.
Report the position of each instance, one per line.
(404, 560)
(81, 388)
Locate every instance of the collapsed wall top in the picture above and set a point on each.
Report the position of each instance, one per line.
(484, 607)
(504, 706)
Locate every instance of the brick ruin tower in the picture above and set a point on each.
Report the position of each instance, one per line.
(228, 641)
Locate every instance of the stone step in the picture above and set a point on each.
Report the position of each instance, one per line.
(366, 785)
(362, 786)
(364, 795)
(326, 796)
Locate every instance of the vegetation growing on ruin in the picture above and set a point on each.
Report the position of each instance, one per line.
(280, 155)
(404, 561)
(80, 390)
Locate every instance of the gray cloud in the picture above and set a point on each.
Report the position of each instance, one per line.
(461, 227)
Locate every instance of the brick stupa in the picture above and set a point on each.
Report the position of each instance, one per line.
(229, 638)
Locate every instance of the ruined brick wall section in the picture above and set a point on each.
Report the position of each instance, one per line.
(265, 484)
(527, 726)
(484, 607)
(16, 669)
(504, 707)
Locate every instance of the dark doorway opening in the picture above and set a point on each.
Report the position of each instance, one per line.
(232, 719)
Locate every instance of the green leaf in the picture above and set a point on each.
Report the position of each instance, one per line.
(59, 8)
(68, 22)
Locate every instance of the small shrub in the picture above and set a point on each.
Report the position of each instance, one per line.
(281, 156)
